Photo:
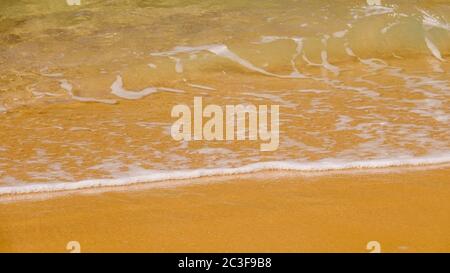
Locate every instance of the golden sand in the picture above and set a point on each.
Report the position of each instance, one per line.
(357, 85)
(265, 212)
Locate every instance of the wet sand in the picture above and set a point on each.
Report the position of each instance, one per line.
(86, 98)
(405, 210)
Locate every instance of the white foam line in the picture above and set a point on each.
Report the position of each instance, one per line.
(222, 50)
(68, 87)
(152, 176)
(118, 90)
(178, 65)
(340, 34)
(389, 26)
(167, 89)
(86, 99)
(429, 21)
(433, 48)
(298, 50)
(374, 63)
(349, 51)
(324, 56)
(44, 72)
(201, 86)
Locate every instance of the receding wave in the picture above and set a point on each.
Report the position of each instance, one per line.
(157, 176)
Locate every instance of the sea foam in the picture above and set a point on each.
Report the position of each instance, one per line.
(158, 176)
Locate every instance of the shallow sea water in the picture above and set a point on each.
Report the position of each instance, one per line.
(86, 91)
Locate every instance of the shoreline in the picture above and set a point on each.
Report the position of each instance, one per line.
(340, 212)
(317, 167)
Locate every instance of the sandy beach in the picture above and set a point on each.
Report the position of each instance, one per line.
(224, 126)
(405, 211)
